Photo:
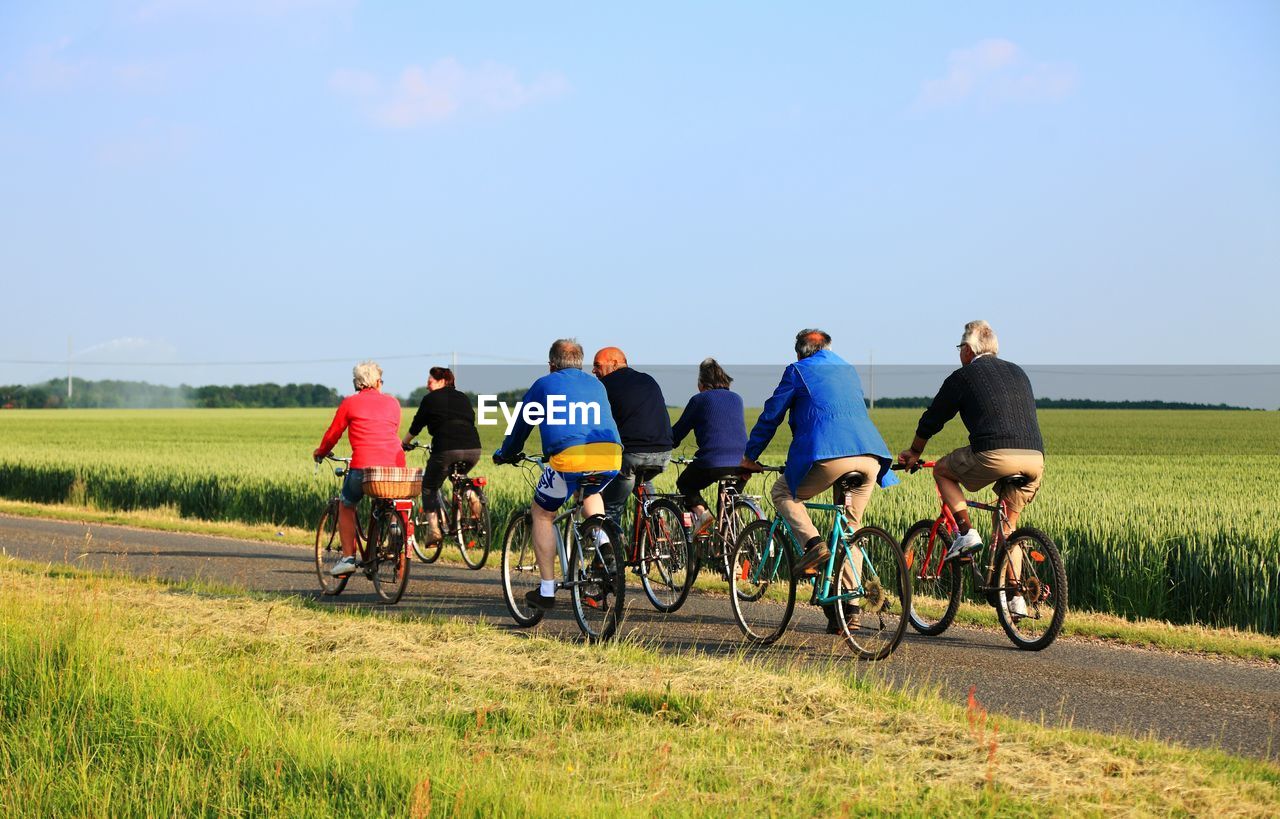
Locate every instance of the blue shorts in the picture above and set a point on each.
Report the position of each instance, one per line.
(554, 488)
(353, 487)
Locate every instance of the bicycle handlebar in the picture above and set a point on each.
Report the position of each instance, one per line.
(914, 468)
(415, 445)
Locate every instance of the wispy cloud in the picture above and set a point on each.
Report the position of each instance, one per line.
(57, 66)
(995, 71)
(444, 90)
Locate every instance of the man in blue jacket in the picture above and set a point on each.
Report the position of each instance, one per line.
(579, 438)
(832, 435)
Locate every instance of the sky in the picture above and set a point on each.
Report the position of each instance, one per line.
(315, 182)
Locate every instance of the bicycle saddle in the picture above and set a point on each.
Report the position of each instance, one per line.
(644, 474)
(850, 480)
(593, 479)
(1012, 481)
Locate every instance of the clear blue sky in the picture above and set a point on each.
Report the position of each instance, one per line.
(219, 180)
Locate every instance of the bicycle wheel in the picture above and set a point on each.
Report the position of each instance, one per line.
(762, 593)
(935, 586)
(667, 567)
(871, 581)
(597, 574)
(1030, 567)
(428, 553)
(391, 568)
(329, 550)
(472, 529)
(520, 569)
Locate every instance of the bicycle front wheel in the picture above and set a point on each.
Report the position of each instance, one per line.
(935, 584)
(667, 567)
(597, 574)
(472, 527)
(874, 593)
(329, 551)
(761, 588)
(520, 569)
(1031, 590)
(428, 553)
(391, 570)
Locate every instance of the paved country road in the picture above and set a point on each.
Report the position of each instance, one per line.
(1191, 700)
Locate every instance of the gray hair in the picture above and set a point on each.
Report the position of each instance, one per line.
(366, 374)
(565, 354)
(980, 338)
(712, 376)
(810, 341)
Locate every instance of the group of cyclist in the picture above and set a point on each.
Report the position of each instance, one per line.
(834, 441)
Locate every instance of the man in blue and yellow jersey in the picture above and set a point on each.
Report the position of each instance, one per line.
(579, 438)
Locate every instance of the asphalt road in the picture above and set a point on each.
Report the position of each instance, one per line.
(1194, 701)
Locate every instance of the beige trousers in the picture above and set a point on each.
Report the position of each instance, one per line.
(820, 477)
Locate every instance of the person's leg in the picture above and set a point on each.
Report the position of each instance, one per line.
(347, 529)
(952, 494)
(614, 496)
(855, 503)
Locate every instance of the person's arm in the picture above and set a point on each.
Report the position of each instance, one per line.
(514, 442)
(333, 433)
(684, 425)
(942, 409)
(419, 421)
(775, 409)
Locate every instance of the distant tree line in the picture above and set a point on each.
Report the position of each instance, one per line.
(509, 397)
(139, 394)
(1067, 403)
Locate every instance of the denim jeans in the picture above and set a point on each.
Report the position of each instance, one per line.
(615, 494)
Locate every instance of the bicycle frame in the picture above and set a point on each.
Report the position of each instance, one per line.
(839, 530)
(379, 507)
(999, 517)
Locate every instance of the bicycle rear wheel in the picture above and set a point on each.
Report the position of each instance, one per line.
(329, 551)
(391, 569)
(667, 566)
(875, 593)
(472, 528)
(761, 589)
(520, 569)
(935, 585)
(1029, 567)
(597, 574)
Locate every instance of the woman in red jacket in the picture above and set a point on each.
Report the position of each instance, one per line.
(372, 423)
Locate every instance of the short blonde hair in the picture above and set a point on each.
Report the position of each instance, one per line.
(366, 374)
(980, 338)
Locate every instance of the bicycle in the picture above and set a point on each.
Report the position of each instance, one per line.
(464, 516)
(937, 583)
(382, 555)
(660, 551)
(591, 559)
(864, 577)
(714, 542)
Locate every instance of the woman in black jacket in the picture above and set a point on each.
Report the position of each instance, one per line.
(449, 418)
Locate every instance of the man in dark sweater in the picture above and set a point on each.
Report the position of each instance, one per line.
(449, 418)
(640, 412)
(995, 401)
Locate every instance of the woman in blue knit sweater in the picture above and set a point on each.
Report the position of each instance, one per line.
(716, 419)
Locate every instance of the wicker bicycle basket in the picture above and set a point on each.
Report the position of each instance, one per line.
(392, 482)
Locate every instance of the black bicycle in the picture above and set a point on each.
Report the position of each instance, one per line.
(464, 517)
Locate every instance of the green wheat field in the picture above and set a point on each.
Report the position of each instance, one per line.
(1168, 515)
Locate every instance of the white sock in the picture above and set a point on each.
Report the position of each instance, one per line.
(547, 588)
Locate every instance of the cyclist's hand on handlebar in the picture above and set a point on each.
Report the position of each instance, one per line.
(749, 465)
(909, 458)
(319, 456)
(497, 457)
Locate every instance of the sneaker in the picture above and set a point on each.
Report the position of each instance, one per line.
(1018, 606)
(965, 545)
(812, 556)
(432, 534)
(534, 598)
(702, 523)
(347, 565)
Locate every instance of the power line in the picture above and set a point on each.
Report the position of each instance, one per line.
(504, 359)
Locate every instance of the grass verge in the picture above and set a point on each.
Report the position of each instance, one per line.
(121, 696)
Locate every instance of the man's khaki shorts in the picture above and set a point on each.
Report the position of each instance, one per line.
(978, 469)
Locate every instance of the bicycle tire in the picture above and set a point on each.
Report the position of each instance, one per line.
(1050, 595)
(472, 531)
(328, 551)
(391, 559)
(597, 574)
(886, 594)
(424, 552)
(520, 569)
(671, 557)
(927, 593)
(762, 620)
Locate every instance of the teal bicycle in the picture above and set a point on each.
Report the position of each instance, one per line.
(864, 579)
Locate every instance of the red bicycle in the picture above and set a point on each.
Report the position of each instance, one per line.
(660, 551)
(1030, 596)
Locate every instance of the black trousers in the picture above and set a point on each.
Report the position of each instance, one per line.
(695, 478)
(437, 464)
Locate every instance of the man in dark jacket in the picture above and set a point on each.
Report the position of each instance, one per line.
(995, 401)
(640, 412)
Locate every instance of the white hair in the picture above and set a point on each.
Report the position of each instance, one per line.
(366, 374)
(980, 338)
(565, 354)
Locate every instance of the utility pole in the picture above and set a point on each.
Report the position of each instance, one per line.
(871, 373)
(68, 371)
